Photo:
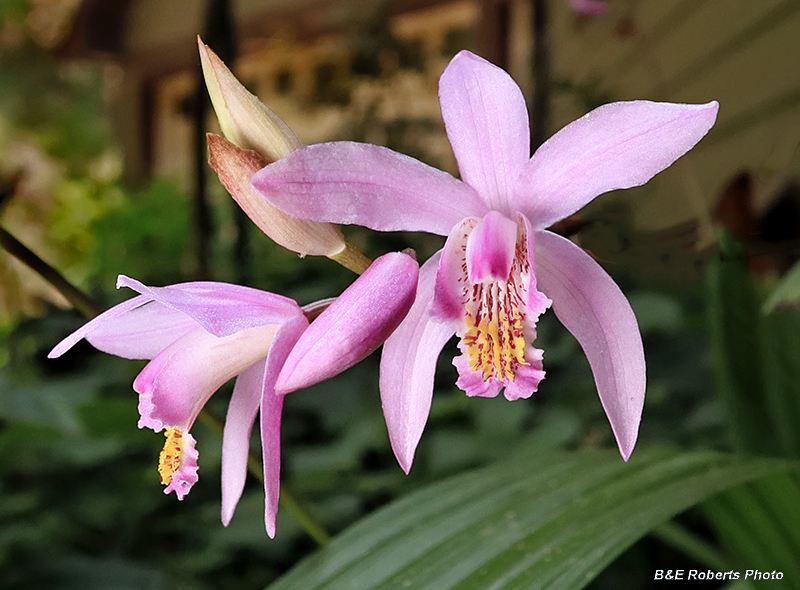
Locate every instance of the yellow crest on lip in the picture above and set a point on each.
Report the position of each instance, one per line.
(169, 461)
(494, 338)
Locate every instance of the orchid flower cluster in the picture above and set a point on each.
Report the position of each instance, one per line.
(499, 270)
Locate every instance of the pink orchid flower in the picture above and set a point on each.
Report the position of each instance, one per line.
(589, 8)
(499, 268)
(199, 335)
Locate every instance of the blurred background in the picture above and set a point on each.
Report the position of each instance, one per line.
(103, 171)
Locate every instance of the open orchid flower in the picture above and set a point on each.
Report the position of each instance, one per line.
(499, 269)
(199, 335)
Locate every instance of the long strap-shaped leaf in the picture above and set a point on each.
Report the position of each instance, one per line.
(551, 521)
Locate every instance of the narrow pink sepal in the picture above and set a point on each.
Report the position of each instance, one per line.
(363, 184)
(271, 410)
(408, 364)
(490, 249)
(487, 123)
(592, 307)
(355, 324)
(186, 475)
(616, 146)
(105, 319)
(242, 412)
(221, 308)
(143, 332)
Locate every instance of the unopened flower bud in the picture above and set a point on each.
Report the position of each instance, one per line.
(235, 167)
(245, 120)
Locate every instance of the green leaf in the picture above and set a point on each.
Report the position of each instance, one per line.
(553, 520)
(759, 523)
(787, 292)
(780, 346)
(735, 331)
(756, 358)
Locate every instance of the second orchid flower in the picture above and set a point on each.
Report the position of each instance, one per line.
(199, 335)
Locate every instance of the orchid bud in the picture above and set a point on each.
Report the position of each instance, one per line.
(245, 120)
(354, 325)
(235, 167)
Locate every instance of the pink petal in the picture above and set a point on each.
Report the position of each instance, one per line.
(491, 248)
(242, 411)
(487, 123)
(452, 285)
(355, 324)
(616, 146)
(408, 364)
(356, 183)
(135, 328)
(177, 383)
(271, 408)
(592, 307)
(221, 308)
(143, 332)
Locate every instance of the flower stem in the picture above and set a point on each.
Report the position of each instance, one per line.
(352, 258)
(82, 302)
(89, 308)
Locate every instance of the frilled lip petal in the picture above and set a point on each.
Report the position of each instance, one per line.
(356, 183)
(408, 364)
(487, 123)
(186, 475)
(355, 324)
(177, 383)
(592, 307)
(451, 288)
(616, 146)
(136, 329)
(222, 309)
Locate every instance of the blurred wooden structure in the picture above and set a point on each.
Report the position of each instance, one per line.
(741, 53)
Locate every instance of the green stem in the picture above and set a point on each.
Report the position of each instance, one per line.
(352, 258)
(80, 301)
(84, 304)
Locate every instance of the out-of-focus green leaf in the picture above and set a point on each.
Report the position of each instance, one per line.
(760, 525)
(656, 312)
(787, 291)
(780, 335)
(756, 358)
(551, 520)
(85, 573)
(734, 322)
